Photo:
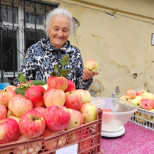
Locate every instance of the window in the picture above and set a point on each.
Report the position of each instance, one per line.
(22, 23)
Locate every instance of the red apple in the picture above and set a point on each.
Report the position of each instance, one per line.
(17, 119)
(3, 112)
(131, 93)
(57, 117)
(71, 86)
(19, 105)
(140, 92)
(6, 95)
(73, 100)
(54, 97)
(91, 65)
(40, 110)
(9, 130)
(55, 82)
(31, 124)
(107, 115)
(85, 94)
(146, 104)
(76, 119)
(89, 112)
(11, 87)
(52, 144)
(35, 94)
(32, 148)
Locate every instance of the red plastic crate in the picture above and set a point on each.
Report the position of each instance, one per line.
(87, 137)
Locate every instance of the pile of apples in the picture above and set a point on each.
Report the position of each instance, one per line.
(43, 110)
(142, 99)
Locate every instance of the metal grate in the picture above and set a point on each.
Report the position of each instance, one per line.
(22, 23)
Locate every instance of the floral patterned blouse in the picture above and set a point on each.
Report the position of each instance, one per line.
(42, 57)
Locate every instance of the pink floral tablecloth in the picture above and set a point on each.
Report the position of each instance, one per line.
(136, 140)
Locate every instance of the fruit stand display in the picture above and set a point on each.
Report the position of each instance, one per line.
(45, 116)
(145, 102)
(87, 136)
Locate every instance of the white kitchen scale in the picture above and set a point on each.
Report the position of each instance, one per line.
(113, 133)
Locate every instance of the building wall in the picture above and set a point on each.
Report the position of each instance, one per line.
(121, 44)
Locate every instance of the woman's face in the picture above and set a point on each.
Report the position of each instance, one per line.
(59, 31)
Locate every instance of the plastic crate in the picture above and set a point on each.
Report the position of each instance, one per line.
(144, 118)
(87, 137)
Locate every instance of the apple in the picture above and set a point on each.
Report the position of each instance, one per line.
(3, 112)
(140, 92)
(147, 95)
(35, 94)
(73, 100)
(89, 112)
(91, 65)
(57, 117)
(54, 97)
(137, 100)
(125, 97)
(11, 87)
(32, 148)
(107, 115)
(76, 119)
(17, 119)
(71, 86)
(19, 105)
(6, 95)
(9, 130)
(40, 110)
(55, 82)
(131, 93)
(53, 144)
(85, 94)
(146, 104)
(31, 124)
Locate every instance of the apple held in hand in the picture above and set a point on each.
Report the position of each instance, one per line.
(54, 97)
(19, 105)
(35, 94)
(9, 130)
(76, 119)
(89, 112)
(55, 82)
(31, 124)
(3, 112)
(57, 117)
(146, 104)
(73, 100)
(71, 86)
(91, 65)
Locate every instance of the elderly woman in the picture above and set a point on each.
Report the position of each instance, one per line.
(46, 53)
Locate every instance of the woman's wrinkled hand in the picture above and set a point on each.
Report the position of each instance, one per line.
(88, 74)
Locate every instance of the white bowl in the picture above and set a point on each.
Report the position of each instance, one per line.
(122, 111)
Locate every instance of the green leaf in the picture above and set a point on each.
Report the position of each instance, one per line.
(53, 73)
(21, 78)
(38, 82)
(56, 69)
(65, 60)
(64, 72)
(21, 90)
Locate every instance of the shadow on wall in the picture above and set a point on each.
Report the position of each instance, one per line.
(96, 88)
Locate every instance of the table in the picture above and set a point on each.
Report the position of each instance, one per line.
(136, 140)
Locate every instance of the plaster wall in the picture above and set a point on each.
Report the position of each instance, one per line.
(121, 45)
